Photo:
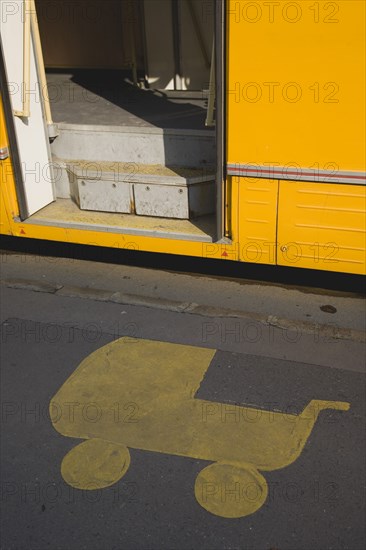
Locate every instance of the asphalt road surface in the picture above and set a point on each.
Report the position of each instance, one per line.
(255, 375)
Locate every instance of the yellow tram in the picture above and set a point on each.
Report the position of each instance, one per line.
(225, 129)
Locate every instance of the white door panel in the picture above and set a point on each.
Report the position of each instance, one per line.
(32, 137)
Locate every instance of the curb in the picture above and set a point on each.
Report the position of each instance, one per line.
(109, 296)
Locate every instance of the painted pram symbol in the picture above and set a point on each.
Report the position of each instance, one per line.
(140, 394)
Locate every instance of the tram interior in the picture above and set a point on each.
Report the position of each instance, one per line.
(129, 84)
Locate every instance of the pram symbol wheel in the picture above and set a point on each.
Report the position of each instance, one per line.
(230, 491)
(95, 464)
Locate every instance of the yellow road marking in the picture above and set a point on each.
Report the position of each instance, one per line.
(140, 394)
(95, 464)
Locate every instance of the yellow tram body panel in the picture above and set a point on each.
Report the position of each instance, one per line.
(258, 219)
(296, 85)
(8, 201)
(296, 124)
(321, 226)
(7, 212)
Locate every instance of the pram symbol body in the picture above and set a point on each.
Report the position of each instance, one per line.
(140, 394)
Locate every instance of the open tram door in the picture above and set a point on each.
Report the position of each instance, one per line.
(140, 154)
(22, 72)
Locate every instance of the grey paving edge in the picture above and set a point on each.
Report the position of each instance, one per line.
(111, 296)
(35, 286)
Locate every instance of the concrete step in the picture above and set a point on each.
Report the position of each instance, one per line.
(144, 144)
(142, 189)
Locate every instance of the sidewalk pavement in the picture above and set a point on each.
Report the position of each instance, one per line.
(332, 314)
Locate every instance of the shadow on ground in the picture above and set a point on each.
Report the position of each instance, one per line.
(305, 280)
